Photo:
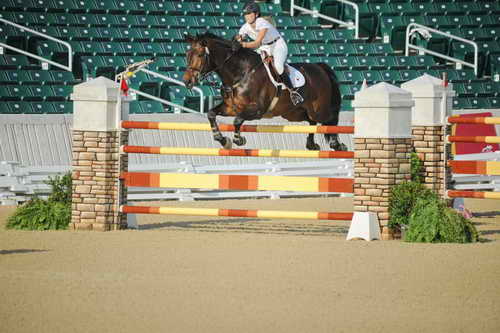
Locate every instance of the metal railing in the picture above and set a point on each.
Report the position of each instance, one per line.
(315, 13)
(31, 55)
(140, 67)
(413, 28)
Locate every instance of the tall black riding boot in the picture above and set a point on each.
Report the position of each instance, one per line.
(294, 95)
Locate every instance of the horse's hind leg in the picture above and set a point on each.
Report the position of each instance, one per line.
(211, 115)
(310, 144)
(335, 144)
(238, 139)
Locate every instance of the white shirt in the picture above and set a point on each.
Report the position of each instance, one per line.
(260, 24)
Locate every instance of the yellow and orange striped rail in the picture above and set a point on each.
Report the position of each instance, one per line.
(237, 182)
(244, 128)
(238, 152)
(473, 194)
(475, 167)
(474, 120)
(277, 214)
(484, 139)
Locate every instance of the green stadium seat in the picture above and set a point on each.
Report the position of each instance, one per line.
(13, 62)
(388, 62)
(346, 63)
(5, 94)
(135, 107)
(391, 76)
(151, 106)
(472, 7)
(490, 89)
(372, 77)
(62, 77)
(19, 107)
(40, 93)
(352, 77)
(40, 77)
(19, 92)
(270, 9)
(107, 20)
(69, 6)
(493, 102)
(61, 93)
(421, 62)
(43, 107)
(20, 76)
(461, 103)
(206, 21)
(464, 75)
(409, 74)
(229, 8)
(63, 107)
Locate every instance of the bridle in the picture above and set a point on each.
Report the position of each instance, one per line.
(203, 75)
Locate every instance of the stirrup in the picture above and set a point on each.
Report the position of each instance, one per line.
(295, 97)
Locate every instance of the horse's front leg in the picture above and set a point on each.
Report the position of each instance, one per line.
(238, 139)
(212, 114)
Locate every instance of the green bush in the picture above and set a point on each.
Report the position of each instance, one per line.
(61, 188)
(431, 221)
(39, 214)
(417, 168)
(402, 200)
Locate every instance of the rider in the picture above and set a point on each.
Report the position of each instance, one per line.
(266, 38)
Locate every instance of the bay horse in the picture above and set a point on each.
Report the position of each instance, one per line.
(248, 92)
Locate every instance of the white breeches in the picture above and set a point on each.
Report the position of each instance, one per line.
(279, 51)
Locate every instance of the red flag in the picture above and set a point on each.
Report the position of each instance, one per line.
(124, 87)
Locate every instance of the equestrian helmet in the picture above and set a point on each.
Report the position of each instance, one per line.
(251, 7)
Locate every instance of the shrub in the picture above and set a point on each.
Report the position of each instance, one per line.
(402, 200)
(431, 221)
(416, 168)
(39, 214)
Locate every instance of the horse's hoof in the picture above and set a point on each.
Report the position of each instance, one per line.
(313, 146)
(240, 141)
(338, 146)
(226, 143)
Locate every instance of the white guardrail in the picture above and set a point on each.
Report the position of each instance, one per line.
(315, 13)
(413, 28)
(42, 59)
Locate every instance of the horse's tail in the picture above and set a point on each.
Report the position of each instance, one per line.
(334, 102)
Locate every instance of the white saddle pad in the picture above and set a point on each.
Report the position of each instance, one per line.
(297, 78)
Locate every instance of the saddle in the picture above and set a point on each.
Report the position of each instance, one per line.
(296, 77)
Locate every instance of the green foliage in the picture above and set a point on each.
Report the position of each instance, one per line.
(417, 168)
(38, 214)
(431, 221)
(402, 200)
(61, 188)
(51, 214)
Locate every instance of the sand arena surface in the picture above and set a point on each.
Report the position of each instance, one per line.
(199, 274)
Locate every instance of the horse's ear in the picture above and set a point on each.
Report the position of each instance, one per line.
(190, 39)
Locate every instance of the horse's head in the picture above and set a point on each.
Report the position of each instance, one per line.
(198, 60)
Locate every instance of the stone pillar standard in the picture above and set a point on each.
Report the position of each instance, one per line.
(96, 156)
(428, 126)
(382, 137)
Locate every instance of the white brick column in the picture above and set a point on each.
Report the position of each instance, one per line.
(382, 136)
(428, 127)
(96, 157)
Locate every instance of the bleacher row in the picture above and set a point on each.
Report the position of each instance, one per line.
(106, 35)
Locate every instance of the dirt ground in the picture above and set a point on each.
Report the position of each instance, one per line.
(199, 274)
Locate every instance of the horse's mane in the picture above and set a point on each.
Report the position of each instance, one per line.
(226, 43)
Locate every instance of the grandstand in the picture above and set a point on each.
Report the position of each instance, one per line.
(107, 35)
